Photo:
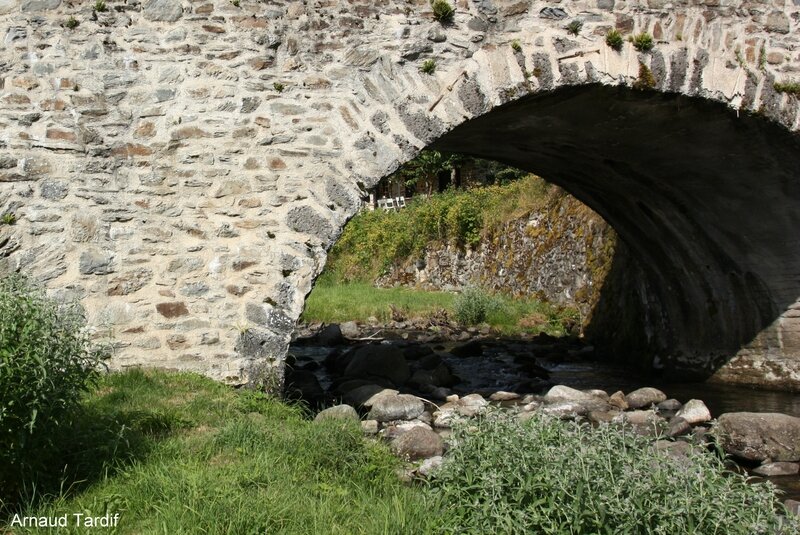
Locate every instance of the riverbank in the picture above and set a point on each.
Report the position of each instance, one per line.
(173, 453)
(431, 310)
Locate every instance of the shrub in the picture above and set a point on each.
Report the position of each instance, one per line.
(642, 42)
(515, 46)
(646, 80)
(574, 27)
(100, 5)
(442, 11)
(46, 363)
(428, 66)
(552, 477)
(278, 87)
(472, 306)
(614, 39)
(71, 23)
(8, 219)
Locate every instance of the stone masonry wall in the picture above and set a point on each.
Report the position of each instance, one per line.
(182, 166)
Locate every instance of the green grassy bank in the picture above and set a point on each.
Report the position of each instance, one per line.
(336, 303)
(178, 453)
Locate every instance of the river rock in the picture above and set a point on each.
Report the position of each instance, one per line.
(777, 469)
(617, 399)
(381, 361)
(386, 408)
(678, 427)
(561, 393)
(759, 436)
(350, 329)
(695, 412)
(430, 466)
(572, 409)
(338, 412)
(644, 397)
(669, 405)
(369, 427)
(504, 396)
(418, 443)
(470, 349)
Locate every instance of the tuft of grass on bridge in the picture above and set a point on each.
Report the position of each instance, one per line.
(178, 453)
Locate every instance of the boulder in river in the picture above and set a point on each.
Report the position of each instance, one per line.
(644, 397)
(695, 412)
(379, 360)
(386, 408)
(338, 412)
(561, 393)
(330, 335)
(418, 443)
(777, 469)
(350, 330)
(758, 436)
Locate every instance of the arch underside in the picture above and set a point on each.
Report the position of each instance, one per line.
(707, 205)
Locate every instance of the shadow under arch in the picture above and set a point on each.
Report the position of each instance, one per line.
(706, 203)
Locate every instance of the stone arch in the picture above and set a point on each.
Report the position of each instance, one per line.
(183, 167)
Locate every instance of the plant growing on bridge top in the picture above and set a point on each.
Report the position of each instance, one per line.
(8, 219)
(791, 88)
(515, 46)
(575, 26)
(100, 5)
(614, 39)
(428, 66)
(646, 80)
(642, 42)
(71, 23)
(278, 87)
(442, 11)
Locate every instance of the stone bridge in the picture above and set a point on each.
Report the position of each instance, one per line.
(182, 166)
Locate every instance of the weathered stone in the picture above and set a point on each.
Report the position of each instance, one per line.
(777, 469)
(162, 10)
(695, 412)
(338, 412)
(29, 6)
(644, 397)
(759, 436)
(418, 443)
(172, 310)
(96, 263)
(565, 393)
(387, 408)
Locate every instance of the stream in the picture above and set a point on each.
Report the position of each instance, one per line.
(498, 368)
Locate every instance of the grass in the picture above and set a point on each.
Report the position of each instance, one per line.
(614, 39)
(178, 453)
(643, 42)
(428, 66)
(792, 88)
(336, 303)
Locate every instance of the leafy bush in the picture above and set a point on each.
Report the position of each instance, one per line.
(642, 42)
(46, 363)
(472, 306)
(552, 477)
(792, 88)
(614, 39)
(442, 11)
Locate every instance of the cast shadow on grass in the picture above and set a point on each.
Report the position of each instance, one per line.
(97, 442)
